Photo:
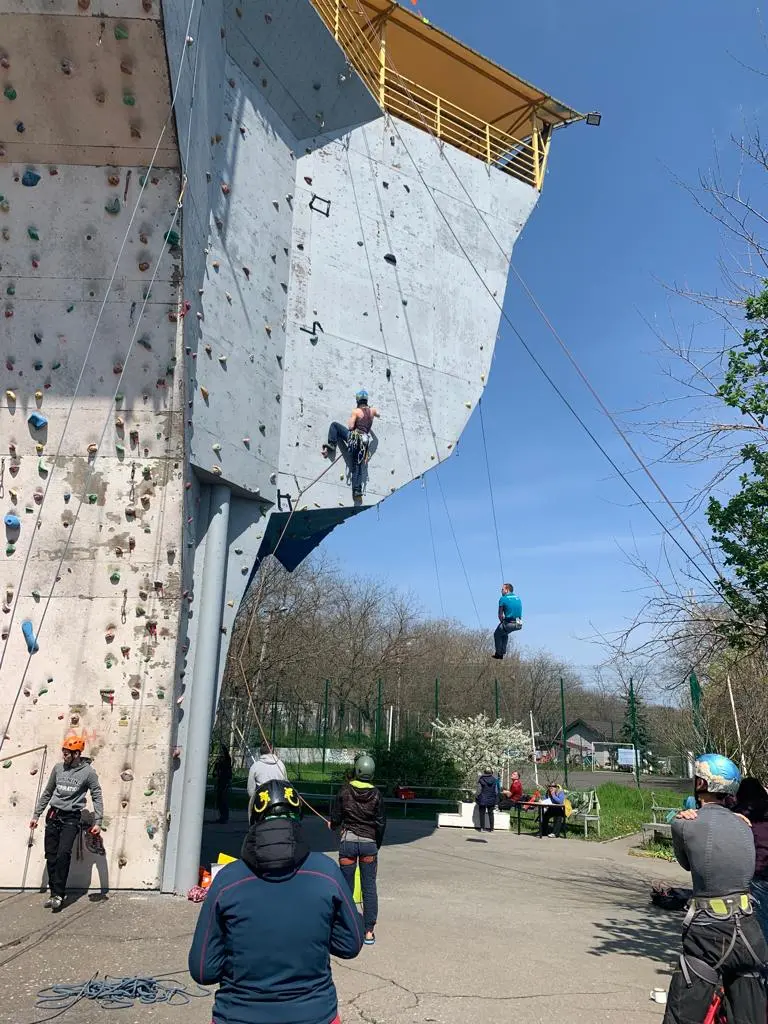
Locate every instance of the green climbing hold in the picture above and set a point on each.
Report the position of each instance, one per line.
(42, 690)
(113, 206)
(146, 472)
(149, 792)
(92, 499)
(70, 307)
(7, 764)
(38, 365)
(120, 449)
(10, 290)
(10, 548)
(56, 365)
(121, 32)
(119, 397)
(145, 343)
(172, 237)
(42, 467)
(129, 99)
(147, 295)
(9, 92)
(33, 234)
(115, 577)
(36, 595)
(142, 180)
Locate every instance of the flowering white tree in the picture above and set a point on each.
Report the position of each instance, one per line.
(477, 743)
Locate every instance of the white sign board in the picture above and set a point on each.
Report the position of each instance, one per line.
(626, 756)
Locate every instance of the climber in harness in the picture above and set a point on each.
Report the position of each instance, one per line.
(724, 951)
(356, 436)
(510, 619)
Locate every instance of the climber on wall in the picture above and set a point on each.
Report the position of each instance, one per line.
(66, 791)
(510, 619)
(356, 436)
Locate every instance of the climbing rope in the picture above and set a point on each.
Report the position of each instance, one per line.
(119, 993)
(490, 487)
(32, 645)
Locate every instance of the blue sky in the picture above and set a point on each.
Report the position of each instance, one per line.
(611, 228)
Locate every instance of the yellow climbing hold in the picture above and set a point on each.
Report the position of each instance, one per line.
(10, 395)
(39, 396)
(204, 391)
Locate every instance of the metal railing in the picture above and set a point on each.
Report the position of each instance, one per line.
(423, 108)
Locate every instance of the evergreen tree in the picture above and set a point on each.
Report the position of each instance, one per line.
(642, 730)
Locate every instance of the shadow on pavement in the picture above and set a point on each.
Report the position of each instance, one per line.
(229, 838)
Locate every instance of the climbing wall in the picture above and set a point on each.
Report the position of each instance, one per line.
(183, 315)
(91, 421)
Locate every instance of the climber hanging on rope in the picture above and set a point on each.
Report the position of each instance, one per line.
(356, 438)
(510, 619)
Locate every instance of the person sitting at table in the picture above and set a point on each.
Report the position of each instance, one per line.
(554, 811)
(514, 795)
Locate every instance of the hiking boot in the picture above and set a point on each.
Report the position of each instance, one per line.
(57, 902)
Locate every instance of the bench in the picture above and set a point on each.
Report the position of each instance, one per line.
(586, 808)
(656, 827)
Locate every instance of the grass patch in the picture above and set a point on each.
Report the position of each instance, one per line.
(625, 809)
(655, 850)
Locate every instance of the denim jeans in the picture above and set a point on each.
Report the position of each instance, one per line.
(501, 636)
(338, 432)
(367, 855)
(759, 889)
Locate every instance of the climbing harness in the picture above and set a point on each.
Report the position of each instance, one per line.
(358, 446)
(719, 908)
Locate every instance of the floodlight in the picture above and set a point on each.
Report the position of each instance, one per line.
(594, 118)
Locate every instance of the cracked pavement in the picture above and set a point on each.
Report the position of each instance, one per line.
(509, 928)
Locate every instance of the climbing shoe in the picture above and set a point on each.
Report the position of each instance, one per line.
(357, 497)
(329, 451)
(57, 902)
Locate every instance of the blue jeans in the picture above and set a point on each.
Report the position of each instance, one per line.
(501, 636)
(338, 432)
(368, 856)
(759, 889)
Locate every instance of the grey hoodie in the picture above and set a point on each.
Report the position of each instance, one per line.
(66, 789)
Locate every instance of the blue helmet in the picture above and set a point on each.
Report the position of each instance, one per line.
(720, 773)
(361, 394)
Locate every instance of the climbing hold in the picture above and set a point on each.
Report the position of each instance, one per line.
(37, 420)
(143, 266)
(172, 238)
(7, 764)
(121, 32)
(468, 405)
(390, 258)
(10, 395)
(114, 577)
(9, 92)
(225, 188)
(56, 365)
(39, 447)
(119, 448)
(12, 522)
(126, 775)
(247, 442)
(119, 397)
(222, 359)
(10, 290)
(126, 67)
(93, 448)
(216, 448)
(145, 343)
(42, 468)
(216, 470)
(135, 132)
(129, 100)
(92, 499)
(32, 645)
(30, 179)
(113, 206)
(33, 234)
(20, 127)
(40, 692)
(203, 391)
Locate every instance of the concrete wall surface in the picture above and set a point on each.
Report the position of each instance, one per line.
(315, 246)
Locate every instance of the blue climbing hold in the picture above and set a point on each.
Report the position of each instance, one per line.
(37, 420)
(30, 179)
(12, 522)
(29, 635)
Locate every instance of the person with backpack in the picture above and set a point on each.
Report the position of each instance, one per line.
(486, 797)
(358, 814)
(65, 791)
(724, 949)
(271, 922)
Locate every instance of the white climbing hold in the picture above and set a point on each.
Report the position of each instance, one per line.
(216, 470)
(216, 447)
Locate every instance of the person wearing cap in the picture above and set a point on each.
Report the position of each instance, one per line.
(271, 922)
(359, 815)
(356, 435)
(723, 945)
(66, 791)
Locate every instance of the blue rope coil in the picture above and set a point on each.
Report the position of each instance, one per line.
(118, 993)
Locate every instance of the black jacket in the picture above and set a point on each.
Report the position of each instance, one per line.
(359, 806)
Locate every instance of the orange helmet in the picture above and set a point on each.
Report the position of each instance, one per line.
(74, 743)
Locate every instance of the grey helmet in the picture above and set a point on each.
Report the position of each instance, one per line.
(365, 768)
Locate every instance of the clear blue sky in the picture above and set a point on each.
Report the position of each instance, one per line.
(611, 224)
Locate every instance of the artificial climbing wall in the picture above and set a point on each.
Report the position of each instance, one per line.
(91, 420)
(168, 350)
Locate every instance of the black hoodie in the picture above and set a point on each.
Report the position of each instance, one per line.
(359, 807)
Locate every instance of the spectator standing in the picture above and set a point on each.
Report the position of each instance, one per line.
(222, 771)
(487, 796)
(752, 802)
(555, 813)
(267, 768)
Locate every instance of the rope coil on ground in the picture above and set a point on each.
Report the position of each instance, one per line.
(118, 993)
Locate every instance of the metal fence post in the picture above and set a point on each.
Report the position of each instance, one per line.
(325, 719)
